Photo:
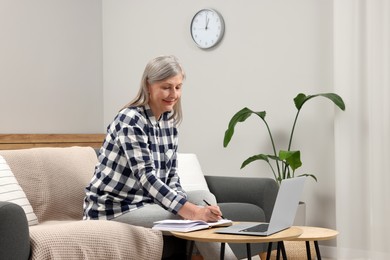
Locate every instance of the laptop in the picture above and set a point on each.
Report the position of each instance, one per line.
(283, 214)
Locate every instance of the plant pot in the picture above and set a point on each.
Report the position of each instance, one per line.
(300, 217)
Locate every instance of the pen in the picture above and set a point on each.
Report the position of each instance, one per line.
(208, 204)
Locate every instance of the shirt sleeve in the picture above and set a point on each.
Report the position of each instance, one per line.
(174, 179)
(134, 141)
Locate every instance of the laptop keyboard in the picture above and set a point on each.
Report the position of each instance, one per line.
(257, 228)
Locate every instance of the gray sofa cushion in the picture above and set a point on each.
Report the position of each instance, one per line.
(242, 211)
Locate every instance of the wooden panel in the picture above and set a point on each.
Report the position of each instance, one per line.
(22, 141)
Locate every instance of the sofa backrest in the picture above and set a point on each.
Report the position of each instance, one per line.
(53, 179)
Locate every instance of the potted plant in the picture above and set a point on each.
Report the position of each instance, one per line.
(286, 161)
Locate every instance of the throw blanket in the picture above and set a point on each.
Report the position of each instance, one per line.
(54, 180)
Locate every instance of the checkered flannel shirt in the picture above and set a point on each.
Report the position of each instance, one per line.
(137, 166)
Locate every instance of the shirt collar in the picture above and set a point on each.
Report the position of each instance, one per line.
(152, 118)
(149, 114)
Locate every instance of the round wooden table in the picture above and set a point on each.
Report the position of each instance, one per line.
(209, 235)
(315, 234)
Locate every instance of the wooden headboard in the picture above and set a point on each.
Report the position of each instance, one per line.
(23, 141)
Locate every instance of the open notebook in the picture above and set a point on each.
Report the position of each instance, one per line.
(181, 225)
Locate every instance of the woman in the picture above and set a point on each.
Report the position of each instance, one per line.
(136, 179)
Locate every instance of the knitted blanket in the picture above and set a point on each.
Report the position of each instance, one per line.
(54, 180)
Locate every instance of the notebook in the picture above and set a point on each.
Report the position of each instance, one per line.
(283, 214)
(182, 225)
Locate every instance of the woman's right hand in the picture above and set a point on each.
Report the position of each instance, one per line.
(210, 213)
(207, 213)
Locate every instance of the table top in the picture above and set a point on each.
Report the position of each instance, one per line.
(209, 235)
(315, 234)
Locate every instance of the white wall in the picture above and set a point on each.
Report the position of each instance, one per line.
(272, 50)
(67, 66)
(51, 66)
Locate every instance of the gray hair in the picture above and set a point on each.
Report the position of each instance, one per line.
(158, 69)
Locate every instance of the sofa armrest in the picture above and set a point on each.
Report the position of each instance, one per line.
(257, 191)
(14, 232)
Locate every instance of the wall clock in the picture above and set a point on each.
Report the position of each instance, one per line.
(207, 28)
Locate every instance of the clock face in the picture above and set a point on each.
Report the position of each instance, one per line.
(207, 28)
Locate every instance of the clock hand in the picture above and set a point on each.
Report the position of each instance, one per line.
(207, 21)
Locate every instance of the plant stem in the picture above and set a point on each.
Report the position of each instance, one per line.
(292, 130)
(273, 145)
(273, 171)
(285, 168)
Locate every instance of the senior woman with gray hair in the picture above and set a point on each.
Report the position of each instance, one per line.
(136, 179)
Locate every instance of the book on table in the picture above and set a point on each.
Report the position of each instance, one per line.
(181, 225)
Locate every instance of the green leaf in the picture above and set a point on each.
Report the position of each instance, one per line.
(337, 100)
(301, 99)
(240, 116)
(255, 158)
(273, 157)
(293, 158)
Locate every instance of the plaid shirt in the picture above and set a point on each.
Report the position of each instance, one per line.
(137, 166)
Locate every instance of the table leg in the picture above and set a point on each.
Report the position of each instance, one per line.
(269, 250)
(248, 251)
(222, 256)
(317, 250)
(191, 250)
(283, 250)
(278, 252)
(308, 250)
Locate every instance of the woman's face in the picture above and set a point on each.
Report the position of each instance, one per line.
(163, 95)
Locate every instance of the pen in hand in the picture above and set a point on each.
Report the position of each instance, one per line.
(208, 204)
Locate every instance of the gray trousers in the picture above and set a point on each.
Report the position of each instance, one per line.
(148, 214)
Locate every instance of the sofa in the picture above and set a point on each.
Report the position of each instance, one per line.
(48, 223)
